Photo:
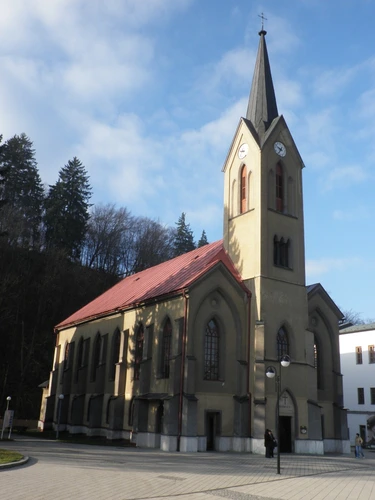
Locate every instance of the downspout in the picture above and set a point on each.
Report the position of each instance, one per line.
(248, 355)
(182, 371)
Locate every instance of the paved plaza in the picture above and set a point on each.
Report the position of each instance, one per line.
(70, 471)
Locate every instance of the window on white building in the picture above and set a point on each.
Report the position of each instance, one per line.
(372, 393)
(361, 395)
(371, 354)
(358, 355)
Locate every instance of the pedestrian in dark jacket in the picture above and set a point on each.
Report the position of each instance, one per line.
(269, 443)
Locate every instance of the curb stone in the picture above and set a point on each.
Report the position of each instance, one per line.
(23, 461)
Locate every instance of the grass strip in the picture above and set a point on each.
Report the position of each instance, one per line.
(7, 456)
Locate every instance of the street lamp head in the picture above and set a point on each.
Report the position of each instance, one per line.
(61, 396)
(271, 372)
(285, 361)
(9, 398)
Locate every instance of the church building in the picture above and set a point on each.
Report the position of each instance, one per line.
(175, 357)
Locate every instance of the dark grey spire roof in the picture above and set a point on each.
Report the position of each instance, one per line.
(262, 107)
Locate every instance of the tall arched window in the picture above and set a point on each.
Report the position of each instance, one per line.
(317, 362)
(166, 348)
(282, 343)
(211, 351)
(281, 252)
(115, 353)
(279, 188)
(138, 355)
(79, 362)
(96, 356)
(243, 190)
(66, 356)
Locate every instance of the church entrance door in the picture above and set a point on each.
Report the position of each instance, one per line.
(212, 422)
(285, 424)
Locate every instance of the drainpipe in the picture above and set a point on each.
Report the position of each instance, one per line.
(248, 355)
(182, 371)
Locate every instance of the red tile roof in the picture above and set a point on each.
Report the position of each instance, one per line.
(164, 279)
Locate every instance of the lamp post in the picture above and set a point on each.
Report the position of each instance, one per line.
(271, 373)
(61, 397)
(6, 412)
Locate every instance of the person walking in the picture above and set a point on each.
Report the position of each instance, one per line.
(358, 446)
(269, 443)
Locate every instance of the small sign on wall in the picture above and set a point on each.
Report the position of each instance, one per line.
(303, 429)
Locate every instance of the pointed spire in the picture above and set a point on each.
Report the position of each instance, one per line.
(262, 107)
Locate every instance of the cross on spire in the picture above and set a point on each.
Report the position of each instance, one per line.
(263, 18)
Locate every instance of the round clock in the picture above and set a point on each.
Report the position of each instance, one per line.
(242, 152)
(280, 149)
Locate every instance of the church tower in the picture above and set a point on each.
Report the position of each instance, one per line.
(264, 236)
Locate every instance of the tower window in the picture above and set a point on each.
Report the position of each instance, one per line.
(358, 355)
(281, 252)
(243, 190)
(372, 393)
(282, 342)
(211, 351)
(279, 188)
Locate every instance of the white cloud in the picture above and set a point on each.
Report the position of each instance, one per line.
(344, 177)
(318, 267)
(352, 214)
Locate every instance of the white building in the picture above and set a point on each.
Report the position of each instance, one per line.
(357, 353)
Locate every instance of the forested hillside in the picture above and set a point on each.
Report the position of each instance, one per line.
(58, 252)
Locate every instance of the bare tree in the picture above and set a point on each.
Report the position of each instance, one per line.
(106, 235)
(353, 318)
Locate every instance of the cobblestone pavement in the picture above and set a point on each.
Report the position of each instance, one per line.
(71, 471)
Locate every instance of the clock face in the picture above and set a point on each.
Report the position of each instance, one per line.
(242, 152)
(280, 149)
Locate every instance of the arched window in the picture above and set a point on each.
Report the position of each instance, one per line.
(115, 353)
(79, 362)
(291, 197)
(66, 356)
(211, 351)
(131, 411)
(317, 362)
(276, 251)
(80, 353)
(138, 355)
(166, 348)
(96, 356)
(282, 343)
(279, 188)
(243, 190)
(281, 252)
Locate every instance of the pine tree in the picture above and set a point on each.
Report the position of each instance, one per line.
(3, 173)
(67, 209)
(22, 192)
(184, 239)
(203, 240)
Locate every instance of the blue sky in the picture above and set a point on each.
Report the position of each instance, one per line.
(148, 94)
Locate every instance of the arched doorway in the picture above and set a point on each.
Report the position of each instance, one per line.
(286, 423)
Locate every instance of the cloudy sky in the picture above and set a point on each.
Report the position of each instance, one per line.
(148, 93)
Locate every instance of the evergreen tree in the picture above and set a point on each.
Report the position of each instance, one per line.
(3, 172)
(203, 241)
(184, 239)
(67, 209)
(21, 191)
